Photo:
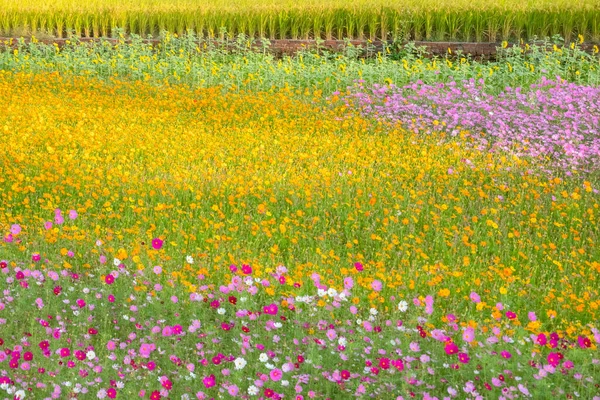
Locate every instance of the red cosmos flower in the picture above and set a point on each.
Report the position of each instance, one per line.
(44, 344)
(64, 352)
(109, 279)
(488, 386)
(233, 300)
(584, 342)
(511, 315)
(345, 374)
(269, 392)
(3, 264)
(111, 393)
(463, 358)
(245, 329)
(80, 355)
(1, 342)
(14, 363)
(93, 331)
(57, 290)
(282, 280)
(225, 326)
(300, 358)
(155, 395)
(157, 243)
(20, 275)
(246, 269)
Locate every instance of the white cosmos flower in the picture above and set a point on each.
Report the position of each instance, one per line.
(239, 363)
(321, 292)
(189, 259)
(285, 383)
(331, 292)
(221, 311)
(90, 355)
(403, 306)
(20, 394)
(269, 366)
(342, 341)
(117, 262)
(263, 357)
(373, 311)
(277, 325)
(252, 390)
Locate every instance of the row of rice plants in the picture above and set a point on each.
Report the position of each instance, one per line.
(390, 22)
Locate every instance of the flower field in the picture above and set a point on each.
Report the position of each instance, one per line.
(178, 224)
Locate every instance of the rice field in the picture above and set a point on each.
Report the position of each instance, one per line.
(401, 20)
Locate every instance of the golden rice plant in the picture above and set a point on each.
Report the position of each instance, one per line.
(404, 19)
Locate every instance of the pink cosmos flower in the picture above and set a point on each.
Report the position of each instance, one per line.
(15, 229)
(275, 374)
(376, 285)
(469, 334)
(36, 257)
(72, 214)
(475, 297)
(47, 225)
(359, 267)
(109, 279)
(348, 283)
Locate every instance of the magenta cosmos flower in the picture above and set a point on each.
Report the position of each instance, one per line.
(157, 243)
(109, 279)
(209, 381)
(246, 269)
(271, 309)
